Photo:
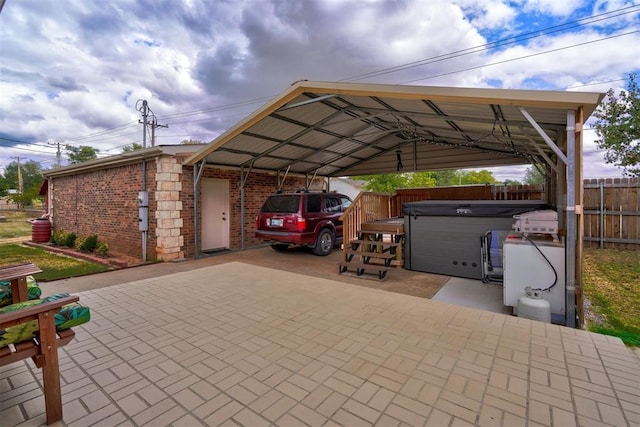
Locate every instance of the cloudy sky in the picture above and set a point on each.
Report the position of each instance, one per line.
(73, 71)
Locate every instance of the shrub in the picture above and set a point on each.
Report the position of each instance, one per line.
(57, 238)
(89, 244)
(79, 241)
(70, 240)
(60, 238)
(102, 249)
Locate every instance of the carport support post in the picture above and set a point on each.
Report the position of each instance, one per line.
(570, 244)
(242, 208)
(244, 176)
(198, 168)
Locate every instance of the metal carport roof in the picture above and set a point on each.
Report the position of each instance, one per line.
(342, 129)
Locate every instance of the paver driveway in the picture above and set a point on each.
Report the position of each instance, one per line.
(238, 344)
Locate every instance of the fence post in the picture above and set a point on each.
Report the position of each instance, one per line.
(601, 212)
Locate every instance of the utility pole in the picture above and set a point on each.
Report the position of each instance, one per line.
(58, 155)
(154, 125)
(144, 110)
(19, 175)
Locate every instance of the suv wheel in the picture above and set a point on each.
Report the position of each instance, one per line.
(324, 244)
(279, 247)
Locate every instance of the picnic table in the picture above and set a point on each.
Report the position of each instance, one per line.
(17, 275)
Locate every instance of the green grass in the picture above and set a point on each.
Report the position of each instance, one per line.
(611, 280)
(16, 224)
(53, 266)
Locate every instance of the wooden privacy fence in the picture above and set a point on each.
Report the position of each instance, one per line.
(373, 206)
(612, 213)
(467, 192)
(611, 207)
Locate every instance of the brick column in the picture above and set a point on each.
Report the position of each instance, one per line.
(169, 223)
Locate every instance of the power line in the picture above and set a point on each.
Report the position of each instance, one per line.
(497, 43)
(103, 132)
(521, 57)
(475, 49)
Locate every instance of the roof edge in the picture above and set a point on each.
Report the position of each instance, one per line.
(280, 100)
(115, 160)
(517, 97)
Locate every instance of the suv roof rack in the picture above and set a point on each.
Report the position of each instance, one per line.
(301, 191)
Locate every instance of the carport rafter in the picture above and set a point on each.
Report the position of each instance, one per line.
(289, 141)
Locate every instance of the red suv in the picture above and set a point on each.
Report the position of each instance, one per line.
(308, 219)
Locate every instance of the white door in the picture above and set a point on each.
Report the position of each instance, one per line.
(214, 221)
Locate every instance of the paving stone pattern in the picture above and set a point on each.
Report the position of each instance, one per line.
(236, 344)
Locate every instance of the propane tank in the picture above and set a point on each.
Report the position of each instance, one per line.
(532, 306)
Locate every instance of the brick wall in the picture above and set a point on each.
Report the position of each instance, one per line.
(258, 187)
(104, 202)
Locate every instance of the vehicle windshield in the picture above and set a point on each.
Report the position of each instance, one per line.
(281, 204)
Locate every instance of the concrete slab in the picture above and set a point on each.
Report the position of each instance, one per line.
(240, 344)
(472, 293)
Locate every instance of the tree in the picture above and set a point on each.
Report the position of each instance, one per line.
(80, 154)
(389, 183)
(618, 128)
(476, 177)
(533, 176)
(511, 182)
(31, 173)
(384, 183)
(191, 142)
(420, 180)
(446, 178)
(132, 147)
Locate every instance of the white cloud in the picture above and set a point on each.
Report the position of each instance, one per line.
(553, 7)
(74, 68)
(488, 13)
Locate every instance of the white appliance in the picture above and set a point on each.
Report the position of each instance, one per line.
(525, 266)
(537, 222)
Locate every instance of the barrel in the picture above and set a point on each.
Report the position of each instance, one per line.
(40, 230)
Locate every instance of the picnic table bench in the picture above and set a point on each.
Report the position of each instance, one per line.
(35, 329)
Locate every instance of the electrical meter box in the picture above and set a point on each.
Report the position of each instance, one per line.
(143, 198)
(143, 210)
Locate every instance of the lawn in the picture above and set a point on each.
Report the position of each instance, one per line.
(16, 224)
(611, 280)
(53, 266)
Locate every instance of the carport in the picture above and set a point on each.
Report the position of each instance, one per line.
(322, 129)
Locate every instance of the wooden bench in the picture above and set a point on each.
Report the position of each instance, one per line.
(17, 275)
(43, 349)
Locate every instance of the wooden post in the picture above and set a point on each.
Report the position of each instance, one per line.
(49, 363)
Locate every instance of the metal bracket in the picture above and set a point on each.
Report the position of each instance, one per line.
(281, 182)
(544, 136)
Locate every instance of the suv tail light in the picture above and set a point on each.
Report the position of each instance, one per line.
(301, 223)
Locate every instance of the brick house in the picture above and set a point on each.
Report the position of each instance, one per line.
(101, 197)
